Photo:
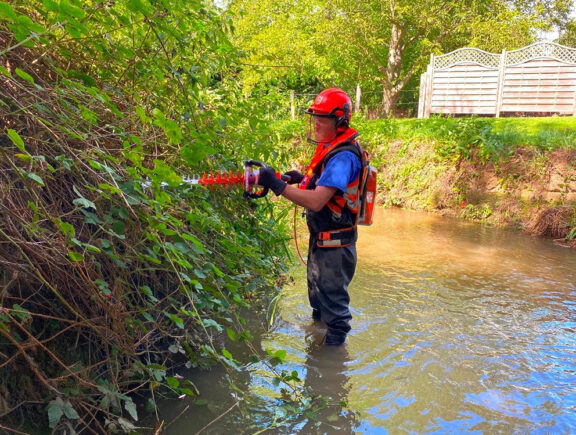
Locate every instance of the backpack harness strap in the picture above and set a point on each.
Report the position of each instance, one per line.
(344, 236)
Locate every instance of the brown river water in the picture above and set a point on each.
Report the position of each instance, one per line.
(457, 328)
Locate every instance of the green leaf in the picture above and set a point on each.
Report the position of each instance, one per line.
(55, 411)
(36, 178)
(172, 382)
(231, 334)
(126, 425)
(147, 316)
(69, 411)
(84, 203)
(66, 228)
(24, 75)
(71, 10)
(88, 114)
(92, 248)
(131, 408)
(280, 354)
(156, 367)
(137, 6)
(6, 12)
(16, 139)
(211, 322)
(5, 71)
(119, 227)
(217, 271)
(24, 315)
(75, 256)
(50, 5)
(177, 320)
(57, 408)
(23, 157)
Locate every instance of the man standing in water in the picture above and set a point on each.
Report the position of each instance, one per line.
(329, 192)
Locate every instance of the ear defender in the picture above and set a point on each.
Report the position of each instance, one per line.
(342, 121)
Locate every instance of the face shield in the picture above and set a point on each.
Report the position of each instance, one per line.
(321, 128)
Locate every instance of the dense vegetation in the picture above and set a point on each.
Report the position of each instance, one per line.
(103, 103)
(113, 272)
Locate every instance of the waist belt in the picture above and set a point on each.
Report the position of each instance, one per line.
(336, 238)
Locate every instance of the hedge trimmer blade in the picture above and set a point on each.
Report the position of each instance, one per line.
(219, 179)
(248, 179)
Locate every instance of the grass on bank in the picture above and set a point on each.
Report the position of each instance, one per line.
(454, 137)
(491, 137)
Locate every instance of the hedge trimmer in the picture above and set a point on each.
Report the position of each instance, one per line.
(249, 179)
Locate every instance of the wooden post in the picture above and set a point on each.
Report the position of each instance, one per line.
(430, 81)
(422, 95)
(292, 106)
(500, 84)
(358, 94)
(574, 109)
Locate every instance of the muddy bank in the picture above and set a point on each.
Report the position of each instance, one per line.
(528, 189)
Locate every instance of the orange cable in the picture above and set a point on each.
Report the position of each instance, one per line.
(296, 237)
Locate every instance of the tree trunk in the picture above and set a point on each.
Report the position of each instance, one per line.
(390, 97)
(391, 92)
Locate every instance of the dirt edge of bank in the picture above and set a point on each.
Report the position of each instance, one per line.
(531, 190)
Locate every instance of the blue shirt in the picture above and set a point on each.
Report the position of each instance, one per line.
(341, 170)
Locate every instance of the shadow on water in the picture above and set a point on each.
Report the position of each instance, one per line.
(457, 328)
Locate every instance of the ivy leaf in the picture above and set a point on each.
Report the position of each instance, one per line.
(16, 139)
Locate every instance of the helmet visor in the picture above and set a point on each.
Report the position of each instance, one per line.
(321, 128)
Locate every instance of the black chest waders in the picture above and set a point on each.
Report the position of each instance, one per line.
(332, 259)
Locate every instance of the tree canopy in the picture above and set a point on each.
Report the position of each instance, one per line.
(382, 46)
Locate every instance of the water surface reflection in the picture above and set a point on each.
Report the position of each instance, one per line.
(457, 328)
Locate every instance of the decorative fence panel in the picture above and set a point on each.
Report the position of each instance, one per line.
(537, 78)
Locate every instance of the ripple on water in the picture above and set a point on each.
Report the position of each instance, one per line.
(456, 329)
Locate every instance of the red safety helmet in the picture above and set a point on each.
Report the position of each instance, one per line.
(333, 103)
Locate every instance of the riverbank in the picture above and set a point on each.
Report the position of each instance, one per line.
(491, 170)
